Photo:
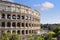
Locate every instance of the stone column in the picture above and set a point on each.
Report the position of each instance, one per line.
(5, 25)
(0, 33)
(11, 16)
(0, 15)
(5, 16)
(16, 24)
(16, 31)
(11, 24)
(16, 16)
(11, 31)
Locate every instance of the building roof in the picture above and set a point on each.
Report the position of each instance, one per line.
(20, 5)
(15, 3)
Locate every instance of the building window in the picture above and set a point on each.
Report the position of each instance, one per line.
(29, 18)
(26, 17)
(26, 9)
(3, 24)
(30, 24)
(8, 16)
(8, 24)
(22, 17)
(26, 24)
(14, 16)
(29, 31)
(14, 24)
(8, 8)
(3, 15)
(2, 31)
(22, 24)
(17, 9)
(18, 24)
(18, 31)
(13, 9)
(13, 31)
(8, 31)
(26, 31)
(18, 16)
(22, 31)
(32, 31)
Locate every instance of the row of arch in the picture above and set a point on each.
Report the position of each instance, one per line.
(18, 24)
(10, 16)
(19, 31)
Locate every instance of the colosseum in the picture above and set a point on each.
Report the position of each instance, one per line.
(18, 18)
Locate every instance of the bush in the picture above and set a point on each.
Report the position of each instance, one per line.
(54, 38)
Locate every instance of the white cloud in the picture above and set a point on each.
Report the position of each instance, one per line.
(45, 5)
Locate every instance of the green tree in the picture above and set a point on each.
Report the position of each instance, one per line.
(8, 36)
(30, 37)
(15, 37)
(50, 34)
(35, 37)
(5, 36)
(57, 29)
(41, 38)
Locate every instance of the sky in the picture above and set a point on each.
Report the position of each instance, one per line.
(49, 9)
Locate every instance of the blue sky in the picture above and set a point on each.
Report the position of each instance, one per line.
(49, 9)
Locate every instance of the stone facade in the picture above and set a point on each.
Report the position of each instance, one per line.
(18, 18)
